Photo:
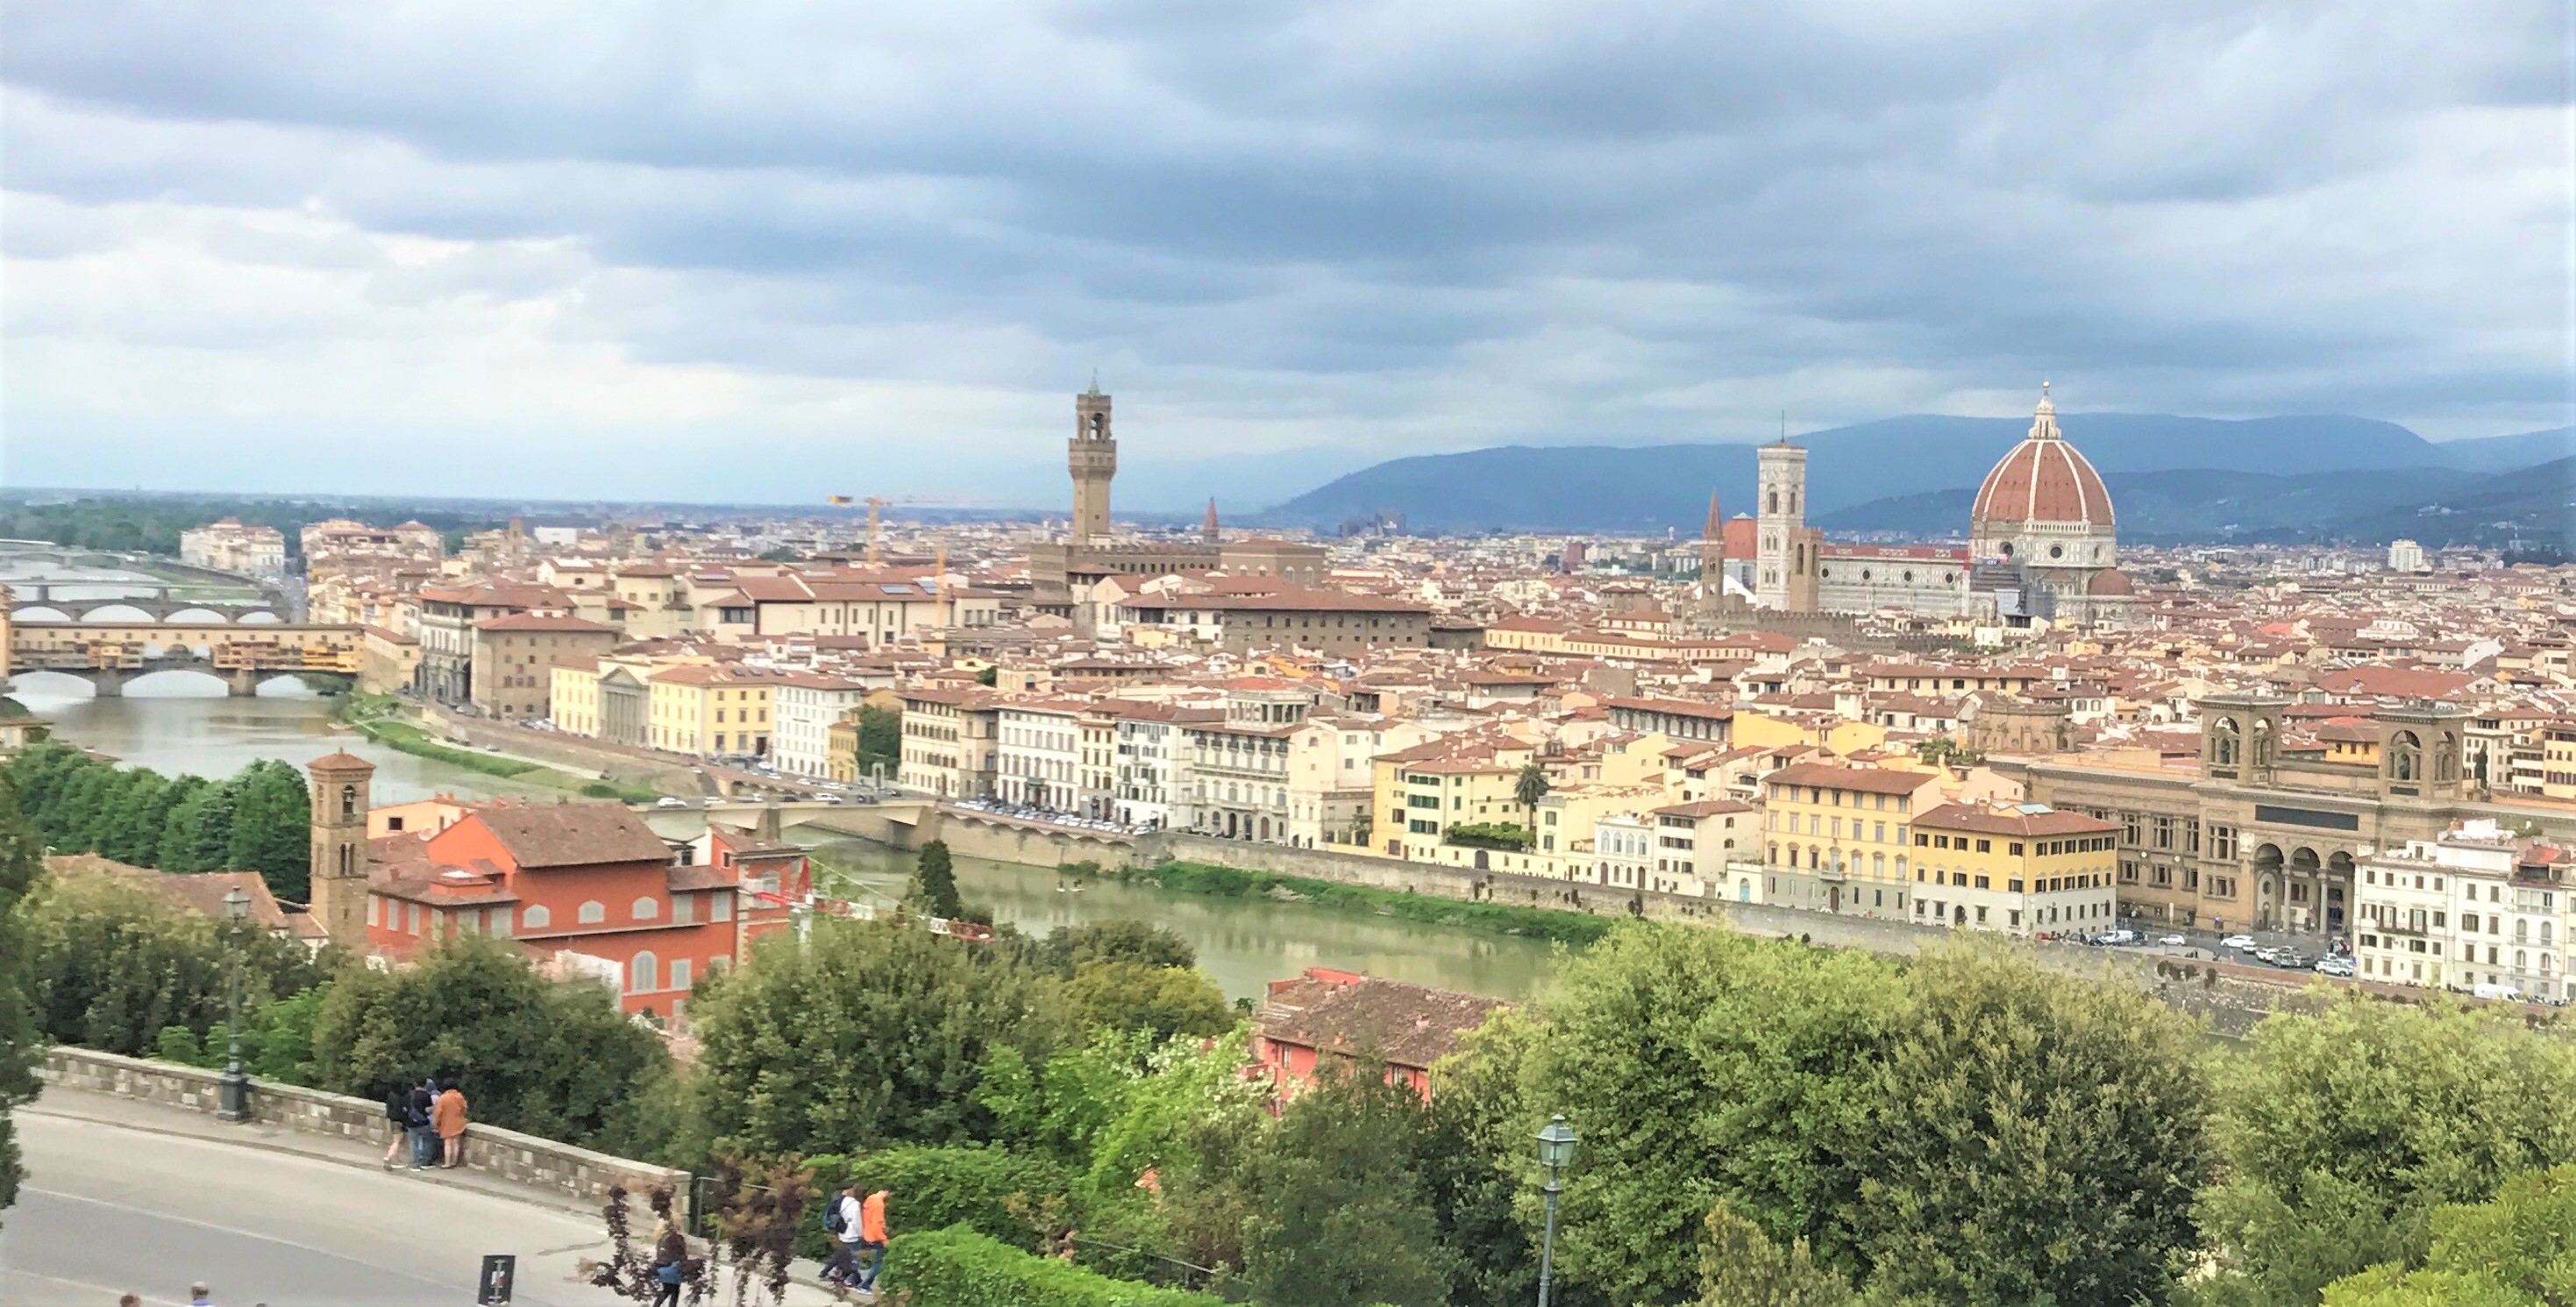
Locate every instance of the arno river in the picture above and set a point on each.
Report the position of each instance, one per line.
(180, 723)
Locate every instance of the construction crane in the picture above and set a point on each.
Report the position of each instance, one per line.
(877, 503)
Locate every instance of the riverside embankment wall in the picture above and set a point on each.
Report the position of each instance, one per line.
(2232, 997)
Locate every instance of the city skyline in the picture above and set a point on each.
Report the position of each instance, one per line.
(779, 258)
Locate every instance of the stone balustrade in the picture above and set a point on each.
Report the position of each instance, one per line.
(558, 1170)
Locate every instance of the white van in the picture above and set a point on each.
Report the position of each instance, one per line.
(2496, 991)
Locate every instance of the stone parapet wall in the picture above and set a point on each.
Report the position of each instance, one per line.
(557, 1170)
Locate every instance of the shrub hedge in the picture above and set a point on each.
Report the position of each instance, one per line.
(957, 1267)
(985, 1190)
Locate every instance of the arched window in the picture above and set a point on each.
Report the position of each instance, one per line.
(644, 974)
(348, 800)
(2404, 756)
(647, 908)
(2222, 742)
(535, 917)
(2521, 960)
(2521, 931)
(348, 858)
(593, 912)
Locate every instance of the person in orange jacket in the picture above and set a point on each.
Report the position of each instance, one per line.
(449, 1117)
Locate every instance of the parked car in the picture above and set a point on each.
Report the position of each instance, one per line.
(2172, 941)
(2337, 967)
(2239, 942)
(2116, 938)
(668, 802)
(2496, 991)
(2290, 959)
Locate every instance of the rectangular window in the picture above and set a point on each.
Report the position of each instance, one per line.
(684, 910)
(680, 977)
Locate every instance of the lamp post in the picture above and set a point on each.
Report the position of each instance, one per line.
(1555, 1152)
(232, 1091)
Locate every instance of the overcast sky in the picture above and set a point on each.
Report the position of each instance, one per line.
(748, 250)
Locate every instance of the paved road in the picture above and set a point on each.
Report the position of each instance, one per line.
(108, 1208)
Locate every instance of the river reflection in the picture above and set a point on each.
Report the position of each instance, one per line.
(174, 722)
(1243, 943)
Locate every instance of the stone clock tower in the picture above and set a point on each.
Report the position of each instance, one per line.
(1093, 457)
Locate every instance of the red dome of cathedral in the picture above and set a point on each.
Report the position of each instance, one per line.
(2043, 479)
(2109, 584)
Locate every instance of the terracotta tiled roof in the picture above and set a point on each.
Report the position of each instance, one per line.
(1408, 1025)
(2009, 821)
(572, 834)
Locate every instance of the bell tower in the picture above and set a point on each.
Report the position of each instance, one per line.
(1784, 572)
(340, 801)
(1092, 455)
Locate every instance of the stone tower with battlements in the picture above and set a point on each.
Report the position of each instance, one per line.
(340, 783)
(1092, 455)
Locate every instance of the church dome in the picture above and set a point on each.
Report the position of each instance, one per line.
(2110, 584)
(2043, 479)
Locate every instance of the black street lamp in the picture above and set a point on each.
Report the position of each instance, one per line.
(232, 1091)
(1555, 1152)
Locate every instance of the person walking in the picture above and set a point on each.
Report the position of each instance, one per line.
(448, 1117)
(397, 1120)
(200, 1296)
(841, 1221)
(417, 1106)
(670, 1264)
(872, 1240)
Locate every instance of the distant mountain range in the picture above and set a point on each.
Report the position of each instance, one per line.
(2172, 478)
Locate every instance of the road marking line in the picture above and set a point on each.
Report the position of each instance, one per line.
(168, 1218)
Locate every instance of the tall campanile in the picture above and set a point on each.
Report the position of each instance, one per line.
(1093, 456)
(340, 803)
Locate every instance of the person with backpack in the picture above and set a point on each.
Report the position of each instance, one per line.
(841, 1221)
(417, 1108)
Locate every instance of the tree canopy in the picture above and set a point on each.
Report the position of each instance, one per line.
(869, 1033)
(2345, 1130)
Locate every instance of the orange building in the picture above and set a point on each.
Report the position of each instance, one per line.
(585, 885)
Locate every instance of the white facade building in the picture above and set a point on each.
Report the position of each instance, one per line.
(2477, 907)
(1623, 847)
(802, 710)
(1037, 755)
(2406, 556)
(229, 546)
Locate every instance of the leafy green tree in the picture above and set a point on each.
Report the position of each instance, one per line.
(934, 883)
(867, 1033)
(1160, 1001)
(1473, 1161)
(1069, 947)
(880, 739)
(552, 1058)
(2344, 1131)
(199, 835)
(1698, 1065)
(2029, 1140)
(1341, 1217)
(72, 822)
(111, 963)
(21, 868)
(133, 833)
(2516, 1250)
(272, 829)
(1741, 1267)
(1527, 789)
